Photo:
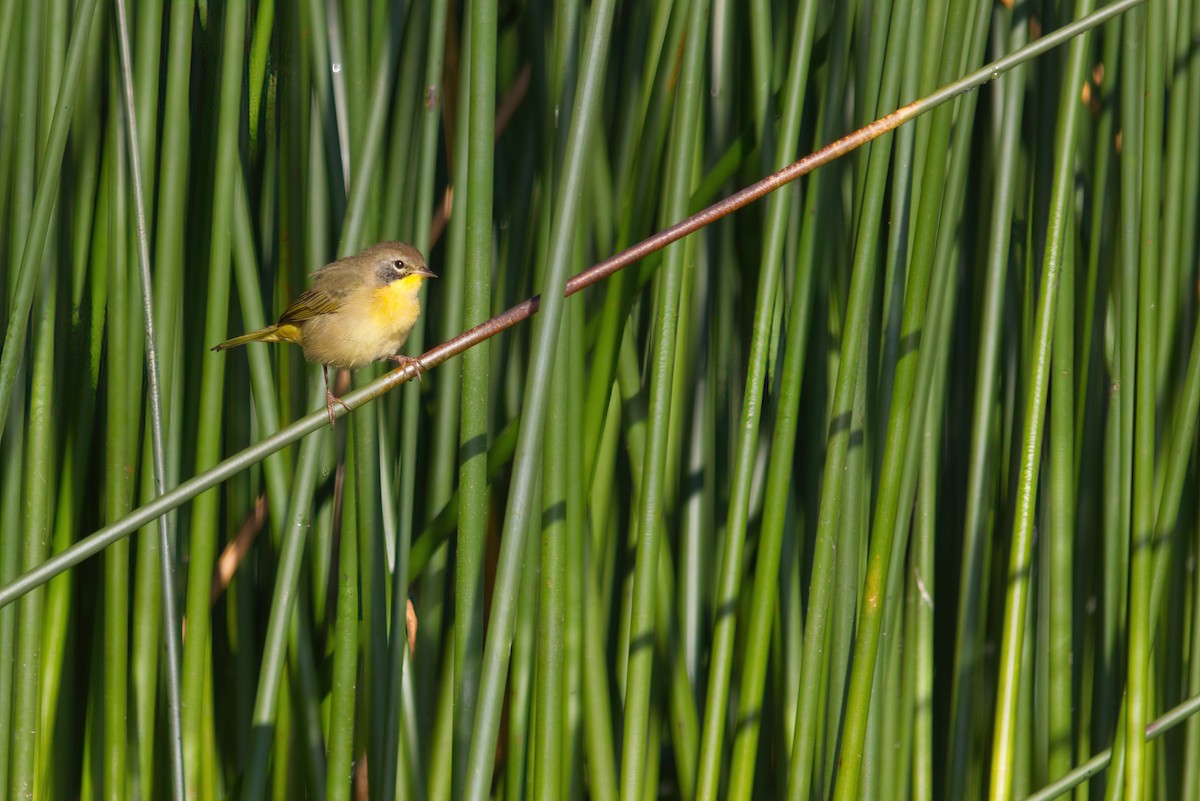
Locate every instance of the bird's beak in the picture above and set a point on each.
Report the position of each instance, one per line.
(425, 271)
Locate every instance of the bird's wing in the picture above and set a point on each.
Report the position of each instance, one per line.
(313, 302)
(329, 291)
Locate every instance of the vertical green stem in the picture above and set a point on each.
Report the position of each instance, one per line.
(196, 657)
(982, 477)
(473, 425)
(274, 647)
(526, 462)
(1060, 524)
(1147, 147)
(166, 563)
(547, 780)
(1021, 556)
(769, 289)
(670, 278)
(39, 500)
(853, 349)
(345, 664)
(121, 465)
(430, 117)
(44, 200)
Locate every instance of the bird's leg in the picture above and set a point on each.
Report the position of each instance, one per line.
(409, 361)
(330, 398)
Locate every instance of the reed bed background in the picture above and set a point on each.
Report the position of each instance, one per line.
(883, 487)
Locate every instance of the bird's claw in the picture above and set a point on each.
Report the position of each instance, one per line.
(409, 361)
(331, 399)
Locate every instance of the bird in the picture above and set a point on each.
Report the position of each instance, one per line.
(360, 309)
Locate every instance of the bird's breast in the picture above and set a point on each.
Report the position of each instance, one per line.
(394, 307)
(367, 328)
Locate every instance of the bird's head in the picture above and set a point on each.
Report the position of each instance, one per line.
(397, 261)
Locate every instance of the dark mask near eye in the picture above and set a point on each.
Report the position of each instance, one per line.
(390, 271)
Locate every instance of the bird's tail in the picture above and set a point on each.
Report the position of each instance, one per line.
(269, 334)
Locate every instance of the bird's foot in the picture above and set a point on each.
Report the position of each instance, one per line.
(331, 399)
(409, 361)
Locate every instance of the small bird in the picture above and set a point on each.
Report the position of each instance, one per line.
(359, 310)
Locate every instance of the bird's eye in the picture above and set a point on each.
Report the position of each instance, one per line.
(399, 266)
